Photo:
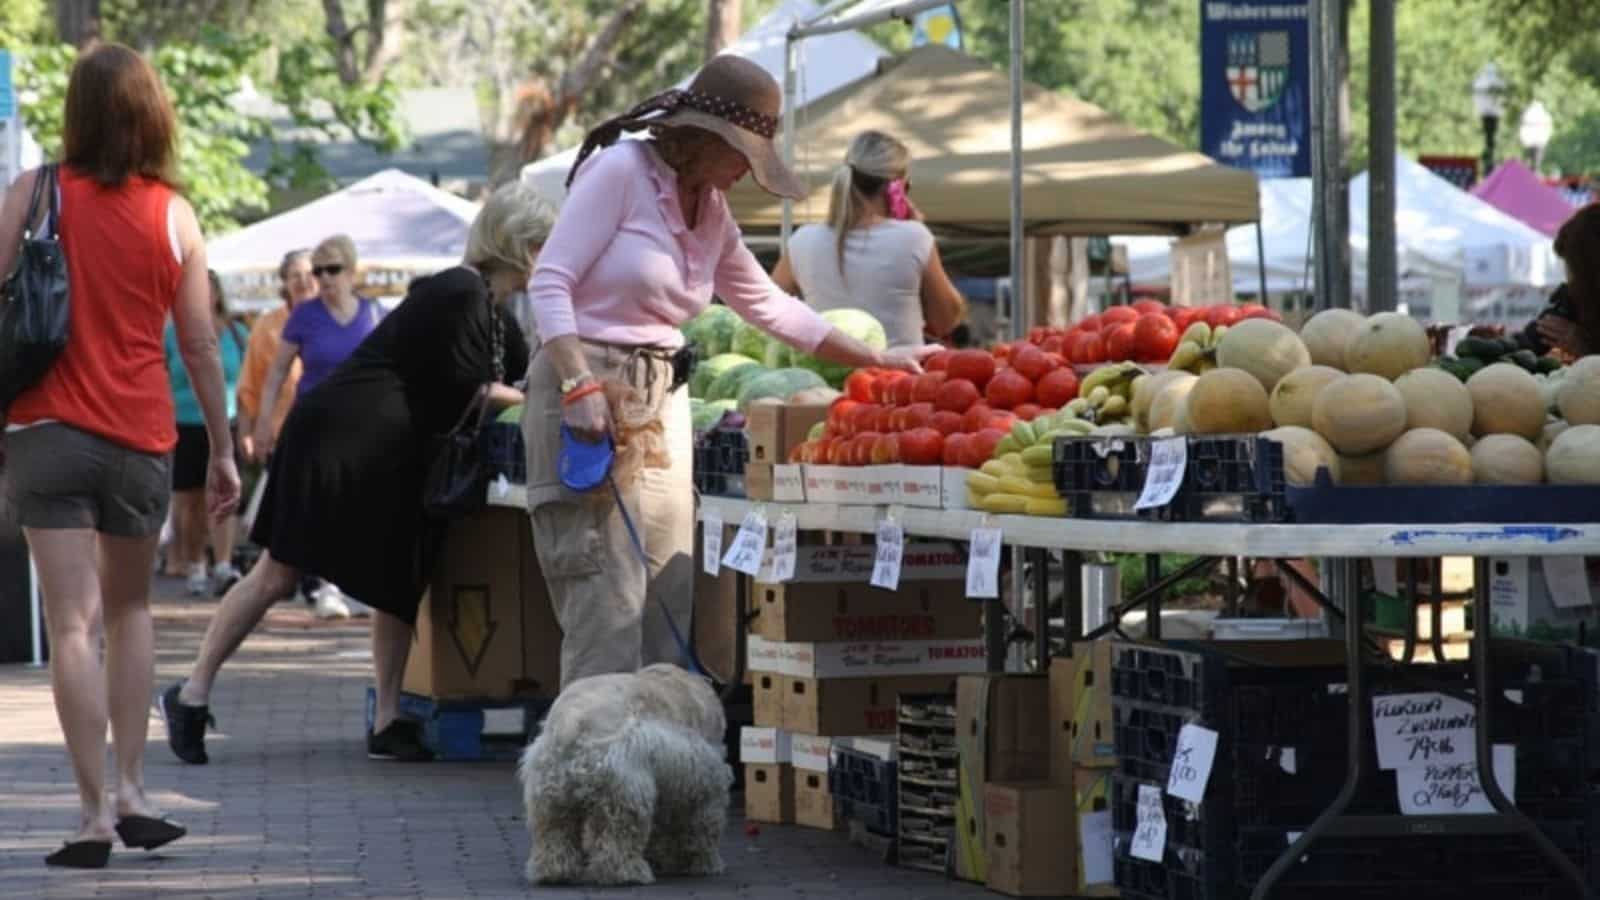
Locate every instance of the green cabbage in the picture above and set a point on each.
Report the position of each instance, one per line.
(712, 330)
(727, 385)
(779, 384)
(856, 323)
(749, 340)
(708, 370)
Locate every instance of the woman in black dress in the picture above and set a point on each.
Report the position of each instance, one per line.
(344, 496)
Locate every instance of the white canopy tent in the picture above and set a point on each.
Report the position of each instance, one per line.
(402, 227)
(829, 63)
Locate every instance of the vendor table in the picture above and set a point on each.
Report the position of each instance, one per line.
(1341, 545)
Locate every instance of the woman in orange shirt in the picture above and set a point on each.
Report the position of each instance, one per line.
(88, 447)
(295, 287)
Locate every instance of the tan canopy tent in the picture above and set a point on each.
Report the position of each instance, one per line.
(1084, 172)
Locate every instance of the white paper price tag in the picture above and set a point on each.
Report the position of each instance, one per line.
(1191, 762)
(711, 542)
(1423, 729)
(1168, 459)
(983, 564)
(891, 548)
(749, 544)
(1454, 789)
(1095, 834)
(1150, 833)
(783, 549)
(1568, 580)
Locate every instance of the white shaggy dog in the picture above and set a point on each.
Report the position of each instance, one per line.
(627, 780)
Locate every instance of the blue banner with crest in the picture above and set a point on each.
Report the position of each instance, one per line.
(1255, 86)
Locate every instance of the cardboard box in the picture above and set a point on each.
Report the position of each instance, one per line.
(777, 428)
(813, 803)
(852, 706)
(843, 484)
(920, 610)
(758, 481)
(768, 691)
(1026, 826)
(866, 659)
(1080, 710)
(788, 483)
(764, 745)
(1091, 788)
(953, 488)
(485, 629)
(918, 486)
(1002, 725)
(810, 752)
(717, 629)
(769, 793)
(921, 560)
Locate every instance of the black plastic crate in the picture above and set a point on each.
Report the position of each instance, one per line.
(504, 451)
(1227, 478)
(876, 818)
(863, 778)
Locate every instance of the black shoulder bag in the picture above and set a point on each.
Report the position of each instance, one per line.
(457, 481)
(33, 322)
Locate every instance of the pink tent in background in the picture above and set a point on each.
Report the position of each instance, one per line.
(1515, 190)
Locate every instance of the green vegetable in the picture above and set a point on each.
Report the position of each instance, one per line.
(858, 324)
(727, 385)
(1481, 348)
(1549, 364)
(779, 384)
(1525, 359)
(712, 330)
(708, 370)
(748, 340)
(706, 416)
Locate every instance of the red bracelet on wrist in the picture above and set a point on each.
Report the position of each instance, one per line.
(580, 392)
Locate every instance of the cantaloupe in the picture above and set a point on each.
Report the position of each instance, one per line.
(1227, 401)
(1327, 333)
(1169, 401)
(1147, 387)
(1506, 459)
(1389, 345)
(1574, 456)
(1296, 392)
(1304, 451)
(1366, 469)
(1359, 414)
(1552, 430)
(1578, 397)
(1266, 349)
(1427, 456)
(1436, 399)
(1506, 400)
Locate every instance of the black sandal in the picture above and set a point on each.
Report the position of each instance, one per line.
(146, 833)
(81, 855)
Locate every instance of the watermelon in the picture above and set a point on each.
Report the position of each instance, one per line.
(778, 385)
(858, 324)
(708, 370)
(727, 385)
(712, 330)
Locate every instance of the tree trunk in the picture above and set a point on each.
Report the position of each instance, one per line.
(78, 22)
(722, 25)
(545, 110)
(385, 33)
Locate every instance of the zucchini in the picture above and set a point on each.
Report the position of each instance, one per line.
(1003, 503)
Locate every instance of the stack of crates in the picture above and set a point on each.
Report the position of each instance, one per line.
(864, 790)
(719, 461)
(1281, 761)
(929, 779)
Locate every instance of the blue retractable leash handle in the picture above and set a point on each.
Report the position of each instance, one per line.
(584, 466)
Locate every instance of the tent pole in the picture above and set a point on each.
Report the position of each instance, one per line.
(899, 11)
(1019, 277)
(1382, 267)
(789, 42)
(1261, 262)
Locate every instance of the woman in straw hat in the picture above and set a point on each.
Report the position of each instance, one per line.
(644, 240)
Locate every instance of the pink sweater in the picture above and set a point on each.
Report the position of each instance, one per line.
(621, 266)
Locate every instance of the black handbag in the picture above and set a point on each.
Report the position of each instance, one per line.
(457, 482)
(33, 322)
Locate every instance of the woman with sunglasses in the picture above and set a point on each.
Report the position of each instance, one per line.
(874, 253)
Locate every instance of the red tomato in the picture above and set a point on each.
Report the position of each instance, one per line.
(1008, 389)
(1116, 315)
(1000, 420)
(1222, 314)
(1001, 352)
(922, 447)
(1055, 344)
(1147, 306)
(838, 453)
(1036, 334)
(900, 394)
(797, 453)
(945, 422)
(956, 395)
(925, 387)
(974, 366)
(976, 417)
(1184, 316)
(1089, 349)
(1119, 343)
(918, 415)
(1257, 311)
(1027, 412)
(955, 446)
(879, 387)
(841, 414)
(864, 419)
(1155, 337)
(980, 446)
(1032, 363)
(858, 385)
(1088, 323)
(937, 362)
(1057, 389)
(885, 420)
(861, 447)
(886, 450)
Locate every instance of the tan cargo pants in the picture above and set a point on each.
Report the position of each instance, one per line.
(607, 601)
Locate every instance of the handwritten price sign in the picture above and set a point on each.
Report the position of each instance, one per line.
(983, 564)
(711, 543)
(891, 549)
(1150, 833)
(1191, 762)
(749, 545)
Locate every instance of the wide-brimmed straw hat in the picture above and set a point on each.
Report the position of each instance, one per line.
(732, 98)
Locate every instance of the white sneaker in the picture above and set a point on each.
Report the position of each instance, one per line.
(330, 604)
(197, 583)
(357, 608)
(224, 576)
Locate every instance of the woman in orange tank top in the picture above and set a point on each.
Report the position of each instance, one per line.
(88, 447)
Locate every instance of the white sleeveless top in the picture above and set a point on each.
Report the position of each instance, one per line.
(883, 265)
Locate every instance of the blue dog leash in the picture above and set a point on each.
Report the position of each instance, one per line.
(691, 662)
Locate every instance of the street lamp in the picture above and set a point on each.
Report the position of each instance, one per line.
(1534, 132)
(1488, 97)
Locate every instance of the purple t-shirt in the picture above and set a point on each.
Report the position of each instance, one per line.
(323, 342)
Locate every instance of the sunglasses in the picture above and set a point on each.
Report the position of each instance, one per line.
(320, 271)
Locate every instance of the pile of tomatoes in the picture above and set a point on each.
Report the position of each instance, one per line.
(1146, 331)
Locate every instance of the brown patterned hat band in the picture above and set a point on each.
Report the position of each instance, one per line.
(606, 133)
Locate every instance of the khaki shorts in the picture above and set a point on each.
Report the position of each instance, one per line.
(59, 477)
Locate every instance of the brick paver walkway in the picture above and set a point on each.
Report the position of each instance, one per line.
(290, 807)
